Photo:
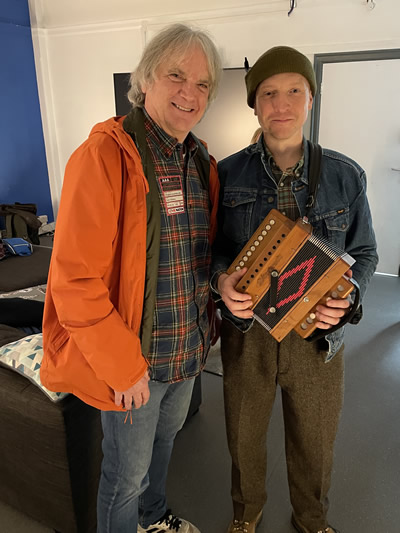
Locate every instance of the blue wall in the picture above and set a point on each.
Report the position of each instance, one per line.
(23, 167)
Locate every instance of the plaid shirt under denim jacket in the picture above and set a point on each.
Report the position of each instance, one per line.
(341, 213)
(180, 334)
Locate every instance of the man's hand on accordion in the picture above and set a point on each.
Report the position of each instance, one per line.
(238, 303)
(330, 314)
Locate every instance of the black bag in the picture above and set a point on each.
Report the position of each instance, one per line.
(21, 221)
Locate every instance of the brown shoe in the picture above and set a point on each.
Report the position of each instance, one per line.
(241, 526)
(301, 529)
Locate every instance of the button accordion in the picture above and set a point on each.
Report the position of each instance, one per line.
(290, 270)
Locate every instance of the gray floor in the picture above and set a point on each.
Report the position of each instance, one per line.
(365, 490)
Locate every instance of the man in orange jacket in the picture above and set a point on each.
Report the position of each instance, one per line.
(125, 324)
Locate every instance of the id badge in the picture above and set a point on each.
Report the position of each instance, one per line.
(172, 192)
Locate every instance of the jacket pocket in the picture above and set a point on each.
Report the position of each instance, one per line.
(59, 340)
(333, 225)
(238, 206)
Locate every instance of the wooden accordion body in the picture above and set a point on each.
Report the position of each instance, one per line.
(290, 271)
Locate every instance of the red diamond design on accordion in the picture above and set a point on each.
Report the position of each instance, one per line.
(307, 266)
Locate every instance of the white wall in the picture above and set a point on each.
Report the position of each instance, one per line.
(79, 44)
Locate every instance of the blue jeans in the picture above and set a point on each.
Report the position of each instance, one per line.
(136, 458)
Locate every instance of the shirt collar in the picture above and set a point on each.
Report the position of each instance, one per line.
(165, 142)
(296, 169)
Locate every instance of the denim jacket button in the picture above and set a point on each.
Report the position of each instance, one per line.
(270, 199)
(233, 202)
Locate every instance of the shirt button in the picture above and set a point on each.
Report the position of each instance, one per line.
(270, 199)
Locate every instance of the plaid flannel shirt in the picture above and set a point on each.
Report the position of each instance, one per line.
(283, 179)
(180, 335)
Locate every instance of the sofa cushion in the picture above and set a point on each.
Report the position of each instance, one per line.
(18, 272)
(25, 357)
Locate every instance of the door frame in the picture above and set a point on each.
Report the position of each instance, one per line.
(340, 57)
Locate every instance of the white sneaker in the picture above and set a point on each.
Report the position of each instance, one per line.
(170, 522)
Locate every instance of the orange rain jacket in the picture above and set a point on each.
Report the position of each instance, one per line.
(95, 292)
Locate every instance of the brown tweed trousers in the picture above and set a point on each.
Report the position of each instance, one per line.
(312, 398)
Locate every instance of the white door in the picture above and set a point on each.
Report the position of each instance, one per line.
(360, 117)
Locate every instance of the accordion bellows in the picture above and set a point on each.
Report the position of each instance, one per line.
(290, 271)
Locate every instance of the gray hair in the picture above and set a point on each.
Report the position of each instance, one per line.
(171, 41)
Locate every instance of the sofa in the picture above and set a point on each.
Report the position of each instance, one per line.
(50, 450)
(50, 444)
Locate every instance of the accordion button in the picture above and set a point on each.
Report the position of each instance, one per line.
(249, 253)
(257, 243)
(268, 227)
(260, 237)
(313, 316)
(340, 288)
(334, 294)
(303, 325)
(272, 221)
(245, 258)
(309, 319)
(263, 232)
(272, 310)
(241, 263)
(253, 248)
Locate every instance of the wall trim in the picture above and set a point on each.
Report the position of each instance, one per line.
(47, 110)
(206, 16)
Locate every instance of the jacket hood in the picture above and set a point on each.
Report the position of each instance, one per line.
(114, 127)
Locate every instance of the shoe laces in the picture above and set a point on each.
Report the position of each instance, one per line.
(240, 525)
(170, 520)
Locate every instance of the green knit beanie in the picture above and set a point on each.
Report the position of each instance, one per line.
(276, 61)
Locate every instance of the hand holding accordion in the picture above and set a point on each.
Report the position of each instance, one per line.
(290, 271)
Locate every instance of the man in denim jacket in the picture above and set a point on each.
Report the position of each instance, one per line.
(273, 173)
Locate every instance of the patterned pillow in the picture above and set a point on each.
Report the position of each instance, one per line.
(25, 356)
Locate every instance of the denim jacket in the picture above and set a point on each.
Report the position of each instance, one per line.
(341, 213)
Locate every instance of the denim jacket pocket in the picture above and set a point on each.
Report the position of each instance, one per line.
(333, 225)
(239, 205)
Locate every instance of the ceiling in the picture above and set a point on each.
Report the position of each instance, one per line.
(64, 13)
